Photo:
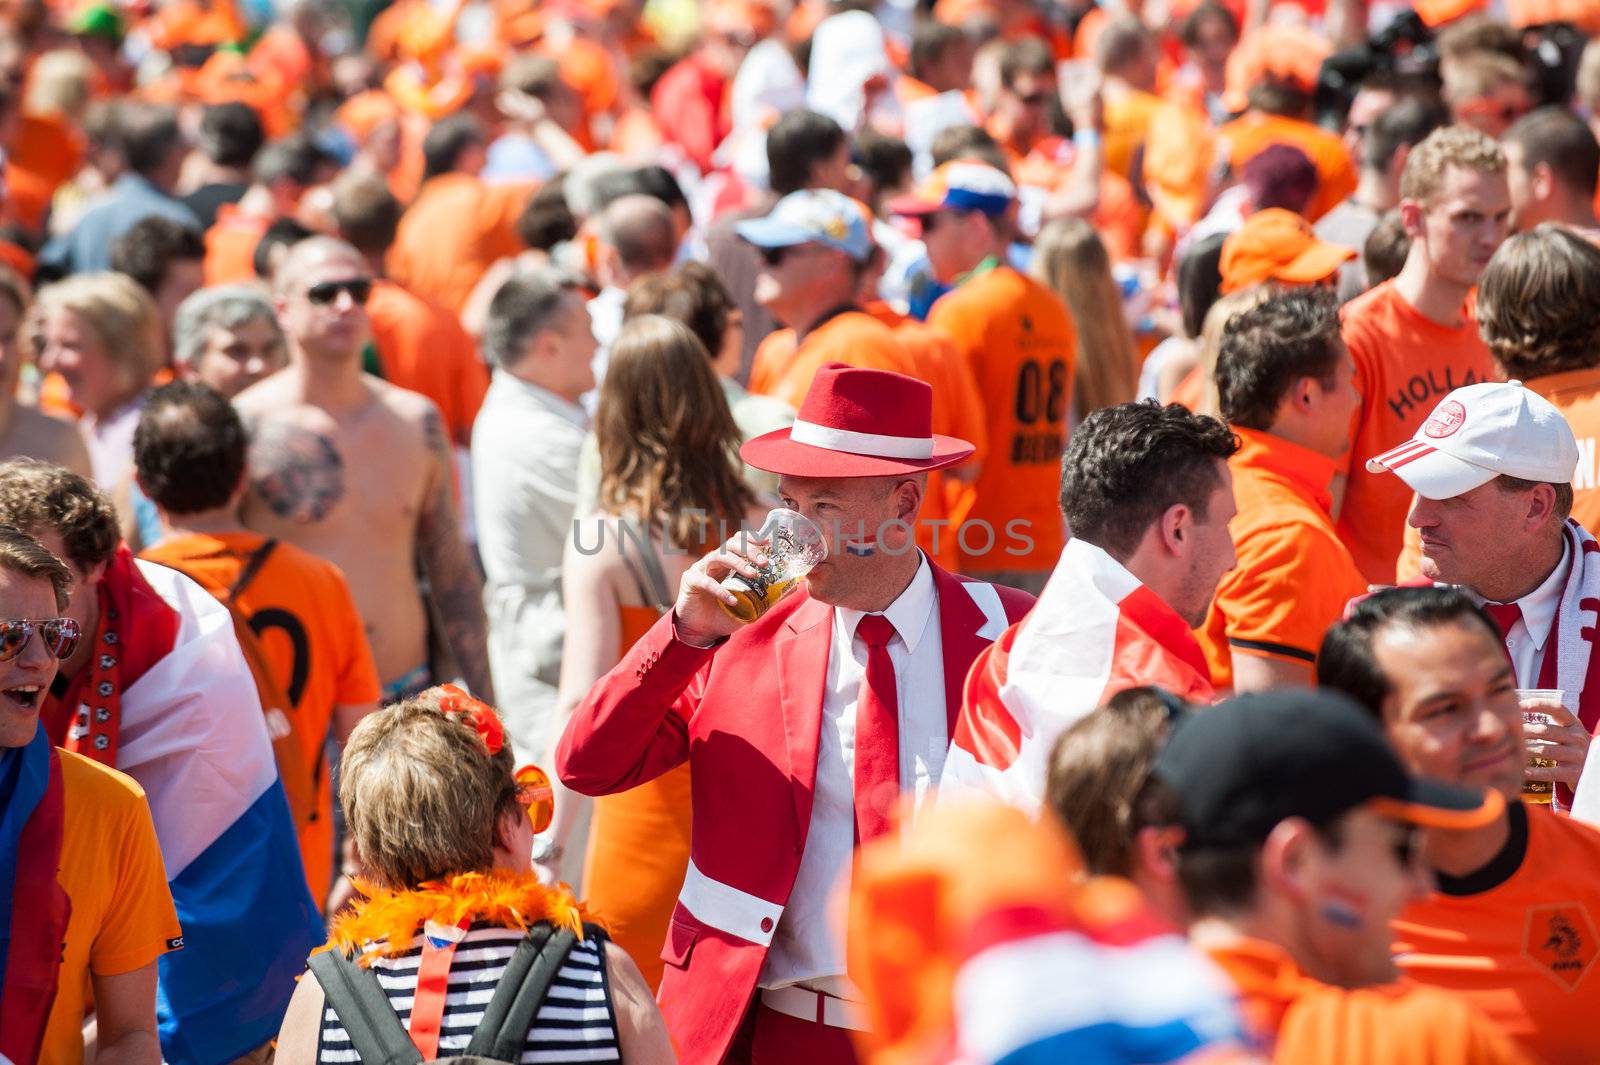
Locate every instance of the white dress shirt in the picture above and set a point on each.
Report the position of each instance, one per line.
(525, 445)
(807, 947)
(1526, 641)
(605, 322)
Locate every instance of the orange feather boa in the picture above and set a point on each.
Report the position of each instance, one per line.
(387, 921)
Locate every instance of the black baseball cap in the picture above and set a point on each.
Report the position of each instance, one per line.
(1243, 766)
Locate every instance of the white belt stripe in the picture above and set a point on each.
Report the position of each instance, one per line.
(846, 440)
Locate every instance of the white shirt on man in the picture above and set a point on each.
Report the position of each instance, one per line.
(807, 948)
(525, 446)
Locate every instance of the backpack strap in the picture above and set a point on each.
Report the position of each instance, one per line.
(252, 566)
(376, 1034)
(503, 1032)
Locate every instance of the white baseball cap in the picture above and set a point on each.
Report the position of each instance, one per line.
(1481, 432)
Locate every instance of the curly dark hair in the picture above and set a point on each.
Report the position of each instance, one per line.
(189, 448)
(1539, 303)
(1126, 465)
(39, 497)
(1292, 334)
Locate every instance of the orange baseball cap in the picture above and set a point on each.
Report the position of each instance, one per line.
(1278, 245)
(1287, 54)
(1436, 13)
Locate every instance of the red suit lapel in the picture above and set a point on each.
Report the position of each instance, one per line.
(960, 621)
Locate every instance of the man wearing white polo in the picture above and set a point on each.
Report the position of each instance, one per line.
(803, 728)
(1492, 470)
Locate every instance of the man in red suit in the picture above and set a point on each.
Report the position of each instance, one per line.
(803, 728)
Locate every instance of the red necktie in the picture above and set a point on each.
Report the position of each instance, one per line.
(877, 783)
(1505, 615)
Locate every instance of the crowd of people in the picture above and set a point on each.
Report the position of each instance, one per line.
(799, 531)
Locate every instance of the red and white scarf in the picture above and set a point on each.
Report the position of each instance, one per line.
(135, 631)
(1095, 631)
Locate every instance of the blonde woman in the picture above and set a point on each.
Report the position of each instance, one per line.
(670, 487)
(100, 335)
(443, 826)
(26, 431)
(1069, 257)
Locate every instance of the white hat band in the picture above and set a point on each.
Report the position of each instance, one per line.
(853, 443)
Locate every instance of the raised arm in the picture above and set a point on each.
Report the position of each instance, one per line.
(453, 581)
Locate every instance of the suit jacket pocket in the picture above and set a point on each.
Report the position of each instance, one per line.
(681, 937)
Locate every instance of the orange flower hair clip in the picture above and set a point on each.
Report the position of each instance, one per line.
(479, 713)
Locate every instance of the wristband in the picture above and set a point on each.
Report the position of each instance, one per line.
(1086, 138)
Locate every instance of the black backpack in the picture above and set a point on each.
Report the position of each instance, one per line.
(377, 1035)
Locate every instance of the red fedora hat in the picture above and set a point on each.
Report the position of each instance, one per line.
(858, 423)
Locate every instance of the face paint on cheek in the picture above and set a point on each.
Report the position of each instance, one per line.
(854, 539)
(860, 548)
(1347, 909)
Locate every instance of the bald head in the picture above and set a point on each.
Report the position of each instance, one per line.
(639, 229)
(309, 253)
(320, 293)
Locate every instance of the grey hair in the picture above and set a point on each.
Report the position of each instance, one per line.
(228, 306)
(522, 308)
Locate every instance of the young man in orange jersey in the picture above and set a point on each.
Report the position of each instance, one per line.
(1294, 831)
(1019, 340)
(1512, 926)
(1413, 339)
(189, 452)
(84, 908)
(1284, 383)
(814, 247)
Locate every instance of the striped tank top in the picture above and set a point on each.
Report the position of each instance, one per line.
(575, 1024)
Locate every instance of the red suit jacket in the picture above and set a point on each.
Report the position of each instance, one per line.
(747, 714)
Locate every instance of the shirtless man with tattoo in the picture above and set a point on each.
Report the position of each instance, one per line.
(355, 470)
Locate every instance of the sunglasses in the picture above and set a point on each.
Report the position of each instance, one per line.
(326, 292)
(1034, 99)
(774, 256)
(535, 795)
(61, 636)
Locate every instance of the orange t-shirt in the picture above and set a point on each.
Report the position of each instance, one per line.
(1245, 137)
(1576, 394)
(122, 914)
(1405, 363)
(784, 370)
(1523, 951)
(1177, 163)
(1293, 577)
(957, 412)
(1128, 119)
(1306, 1022)
(454, 230)
(1019, 341)
(311, 635)
(423, 347)
(231, 246)
(44, 154)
